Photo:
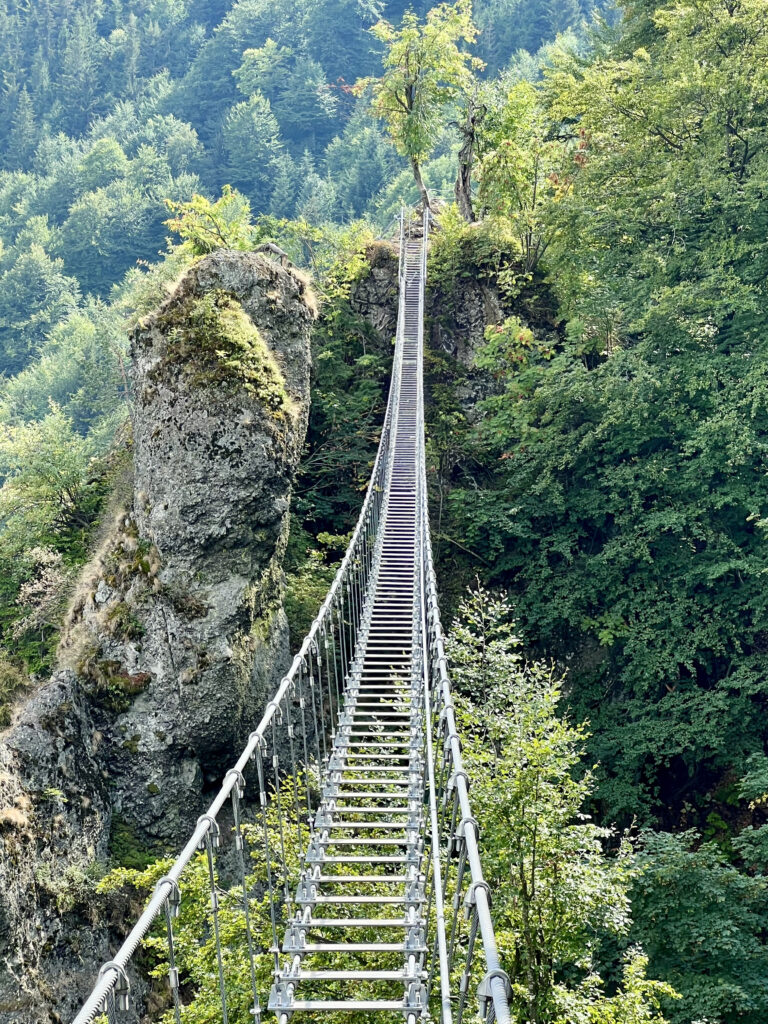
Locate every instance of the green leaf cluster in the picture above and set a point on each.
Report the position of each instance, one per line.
(560, 893)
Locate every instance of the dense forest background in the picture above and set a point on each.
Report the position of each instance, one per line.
(611, 476)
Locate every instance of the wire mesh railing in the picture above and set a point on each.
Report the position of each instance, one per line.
(455, 837)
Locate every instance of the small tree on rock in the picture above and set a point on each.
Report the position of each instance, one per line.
(424, 69)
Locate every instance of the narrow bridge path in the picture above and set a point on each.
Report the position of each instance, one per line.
(363, 871)
(387, 915)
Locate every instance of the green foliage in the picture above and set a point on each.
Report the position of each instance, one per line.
(349, 381)
(703, 922)
(425, 69)
(71, 889)
(615, 481)
(307, 584)
(623, 500)
(44, 465)
(36, 295)
(462, 253)
(510, 344)
(507, 31)
(524, 171)
(252, 140)
(13, 683)
(127, 849)
(558, 896)
(195, 945)
(204, 226)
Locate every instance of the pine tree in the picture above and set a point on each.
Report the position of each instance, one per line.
(40, 81)
(131, 55)
(252, 141)
(285, 181)
(24, 132)
(79, 75)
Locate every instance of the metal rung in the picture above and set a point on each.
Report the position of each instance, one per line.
(362, 947)
(366, 879)
(354, 755)
(377, 678)
(361, 922)
(387, 744)
(378, 711)
(394, 794)
(380, 705)
(365, 826)
(375, 713)
(344, 859)
(391, 736)
(369, 1006)
(358, 975)
(371, 810)
(355, 900)
(377, 782)
(404, 841)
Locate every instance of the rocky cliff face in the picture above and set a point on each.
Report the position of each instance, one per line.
(375, 295)
(177, 636)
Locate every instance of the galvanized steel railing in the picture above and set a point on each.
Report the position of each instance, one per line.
(458, 829)
(301, 717)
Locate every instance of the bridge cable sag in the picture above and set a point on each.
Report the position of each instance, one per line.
(358, 759)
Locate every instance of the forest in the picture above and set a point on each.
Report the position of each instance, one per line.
(600, 505)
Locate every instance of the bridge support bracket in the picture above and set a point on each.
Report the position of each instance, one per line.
(484, 989)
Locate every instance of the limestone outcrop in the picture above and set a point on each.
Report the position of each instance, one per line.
(177, 636)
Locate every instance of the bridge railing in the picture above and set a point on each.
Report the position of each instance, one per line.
(292, 737)
(457, 829)
(298, 719)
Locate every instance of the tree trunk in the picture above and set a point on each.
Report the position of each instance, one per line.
(463, 188)
(420, 182)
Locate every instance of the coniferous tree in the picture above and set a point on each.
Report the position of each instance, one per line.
(79, 74)
(252, 143)
(40, 82)
(35, 294)
(24, 132)
(285, 186)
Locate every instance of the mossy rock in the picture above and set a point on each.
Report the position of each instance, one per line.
(111, 687)
(132, 744)
(214, 342)
(185, 603)
(121, 622)
(126, 849)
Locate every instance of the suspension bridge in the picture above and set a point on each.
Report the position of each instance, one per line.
(386, 913)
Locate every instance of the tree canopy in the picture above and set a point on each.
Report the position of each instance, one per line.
(425, 68)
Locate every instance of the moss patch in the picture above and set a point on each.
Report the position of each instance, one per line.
(121, 622)
(110, 686)
(131, 557)
(126, 848)
(214, 342)
(184, 602)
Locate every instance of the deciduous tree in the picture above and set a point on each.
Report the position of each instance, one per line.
(425, 68)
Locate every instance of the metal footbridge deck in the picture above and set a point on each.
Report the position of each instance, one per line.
(385, 914)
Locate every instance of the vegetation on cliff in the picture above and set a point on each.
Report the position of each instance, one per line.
(599, 453)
